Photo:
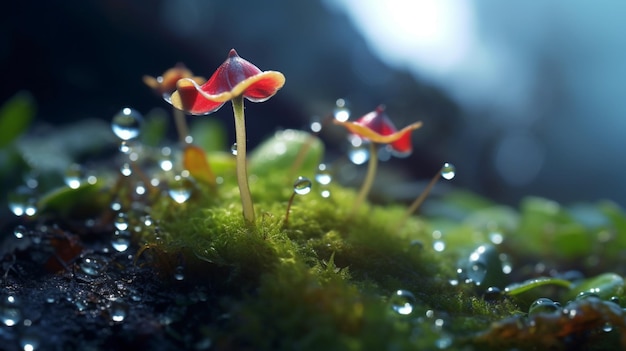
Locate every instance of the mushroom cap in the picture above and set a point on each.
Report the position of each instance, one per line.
(376, 127)
(235, 77)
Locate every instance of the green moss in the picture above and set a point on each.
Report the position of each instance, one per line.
(328, 279)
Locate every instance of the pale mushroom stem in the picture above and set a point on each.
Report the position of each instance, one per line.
(369, 179)
(181, 125)
(242, 173)
(420, 199)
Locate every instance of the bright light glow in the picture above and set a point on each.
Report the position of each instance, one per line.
(431, 35)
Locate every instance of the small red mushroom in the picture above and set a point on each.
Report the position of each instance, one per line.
(234, 80)
(377, 128)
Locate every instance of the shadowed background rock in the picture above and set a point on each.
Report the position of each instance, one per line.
(522, 115)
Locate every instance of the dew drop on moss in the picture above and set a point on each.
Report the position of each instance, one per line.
(325, 193)
(448, 171)
(127, 123)
(302, 186)
(402, 302)
(543, 305)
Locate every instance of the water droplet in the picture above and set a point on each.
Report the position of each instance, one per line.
(359, 154)
(402, 302)
(496, 238)
(22, 201)
(180, 189)
(31, 179)
(492, 294)
(316, 125)
(444, 342)
(607, 327)
(166, 164)
(140, 188)
(477, 272)
(20, 231)
(127, 123)
(341, 112)
(92, 265)
(121, 221)
(10, 311)
(439, 245)
(302, 186)
(448, 171)
(126, 170)
(325, 193)
(323, 176)
(543, 305)
(233, 149)
(29, 341)
(125, 147)
(179, 274)
(121, 240)
(74, 176)
(118, 311)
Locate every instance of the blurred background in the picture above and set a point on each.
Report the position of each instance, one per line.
(525, 98)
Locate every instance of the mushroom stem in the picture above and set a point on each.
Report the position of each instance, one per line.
(420, 199)
(369, 179)
(286, 221)
(181, 125)
(242, 173)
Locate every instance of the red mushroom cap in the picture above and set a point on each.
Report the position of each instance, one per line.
(235, 77)
(378, 128)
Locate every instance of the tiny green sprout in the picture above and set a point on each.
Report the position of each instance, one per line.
(378, 129)
(301, 186)
(235, 79)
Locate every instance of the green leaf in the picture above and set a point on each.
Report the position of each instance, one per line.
(518, 288)
(604, 286)
(209, 134)
(155, 127)
(15, 117)
(295, 152)
(84, 201)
